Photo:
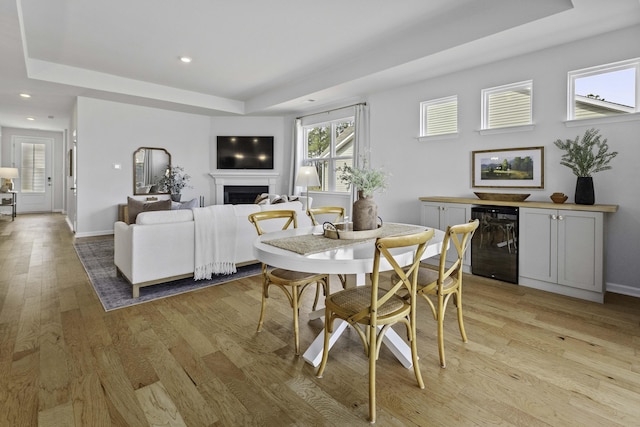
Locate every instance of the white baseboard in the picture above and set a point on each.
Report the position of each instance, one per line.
(623, 289)
(562, 290)
(95, 233)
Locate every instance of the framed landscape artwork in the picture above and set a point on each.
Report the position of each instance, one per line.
(508, 168)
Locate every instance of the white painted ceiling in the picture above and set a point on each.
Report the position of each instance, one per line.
(261, 57)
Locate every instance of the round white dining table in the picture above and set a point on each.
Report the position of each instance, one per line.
(355, 260)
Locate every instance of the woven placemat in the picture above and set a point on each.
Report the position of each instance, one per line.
(309, 243)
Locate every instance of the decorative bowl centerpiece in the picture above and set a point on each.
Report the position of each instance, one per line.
(559, 198)
(345, 231)
(502, 197)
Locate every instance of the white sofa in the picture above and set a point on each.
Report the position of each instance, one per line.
(159, 247)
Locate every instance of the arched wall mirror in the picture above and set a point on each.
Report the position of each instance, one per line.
(149, 166)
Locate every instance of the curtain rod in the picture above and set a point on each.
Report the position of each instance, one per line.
(333, 109)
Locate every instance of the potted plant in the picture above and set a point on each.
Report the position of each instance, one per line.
(586, 156)
(366, 181)
(173, 181)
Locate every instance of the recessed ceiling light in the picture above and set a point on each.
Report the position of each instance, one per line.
(25, 95)
(31, 118)
(186, 59)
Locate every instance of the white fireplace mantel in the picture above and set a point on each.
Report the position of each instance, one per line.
(222, 178)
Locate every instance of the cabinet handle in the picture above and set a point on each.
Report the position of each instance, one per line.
(560, 217)
(554, 217)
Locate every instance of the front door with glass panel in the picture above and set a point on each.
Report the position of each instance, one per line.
(32, 156)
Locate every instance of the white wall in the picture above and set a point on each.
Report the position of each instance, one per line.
(109, 133)
(443, 167)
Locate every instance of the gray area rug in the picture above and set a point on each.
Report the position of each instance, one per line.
(115, 292)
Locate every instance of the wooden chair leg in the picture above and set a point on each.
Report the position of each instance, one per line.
(325, 350)
(343, 280)
(372, 373)
(317, 297)
(263, 306)
(294, 304)
(463, 333)
(441, 331)
(414, 349)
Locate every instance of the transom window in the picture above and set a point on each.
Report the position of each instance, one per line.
(604, 90)
(329, 146)
(439, 116)
(508, 105)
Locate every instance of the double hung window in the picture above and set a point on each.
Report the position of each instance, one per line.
(328, 146)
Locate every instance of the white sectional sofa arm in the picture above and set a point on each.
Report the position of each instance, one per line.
(155, 252)
(160, 246)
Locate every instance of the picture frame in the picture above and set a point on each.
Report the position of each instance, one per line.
(508, 168)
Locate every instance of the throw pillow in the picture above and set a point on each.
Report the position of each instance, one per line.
(262, 199)
(193, 203)
(136, 206)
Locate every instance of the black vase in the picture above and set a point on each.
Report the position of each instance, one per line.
(584, 191)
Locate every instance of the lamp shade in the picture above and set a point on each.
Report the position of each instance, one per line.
(9, 173)
(307, 177)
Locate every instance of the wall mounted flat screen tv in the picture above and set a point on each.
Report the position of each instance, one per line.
(244, 152)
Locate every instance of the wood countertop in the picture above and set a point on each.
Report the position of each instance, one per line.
(525, 204)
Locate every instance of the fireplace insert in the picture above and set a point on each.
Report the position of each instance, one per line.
(243, 194)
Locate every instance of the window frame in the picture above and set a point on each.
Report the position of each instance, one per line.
(333, 157)
(487, 92)
(424, 117)
(32, 175)
(572, 76)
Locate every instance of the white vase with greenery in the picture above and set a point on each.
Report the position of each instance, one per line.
(174, 181)
(366, 181)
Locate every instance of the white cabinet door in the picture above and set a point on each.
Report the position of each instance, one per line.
(456, 214)
(430, 214)
(562, 247)
(580, 247)
(441, 215)
(538, 245)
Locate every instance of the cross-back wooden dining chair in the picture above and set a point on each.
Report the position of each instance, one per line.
(292, 283)
(372, 310)
(338, 211)
(437, 286)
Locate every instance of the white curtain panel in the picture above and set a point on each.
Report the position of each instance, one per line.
(361, 145)
(297, 154)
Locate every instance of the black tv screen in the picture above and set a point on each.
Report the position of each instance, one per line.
(245, 152)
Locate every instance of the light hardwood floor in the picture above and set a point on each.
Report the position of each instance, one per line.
(533, 358)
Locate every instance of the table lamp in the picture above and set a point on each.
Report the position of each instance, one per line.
(307, 177)
(7, 175)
